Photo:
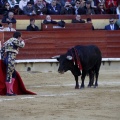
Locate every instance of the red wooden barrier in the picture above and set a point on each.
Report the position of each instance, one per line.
(45, 44)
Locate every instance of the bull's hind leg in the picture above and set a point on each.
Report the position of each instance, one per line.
(96, 82)
(96, 75)
(77, 83)
(91, 78)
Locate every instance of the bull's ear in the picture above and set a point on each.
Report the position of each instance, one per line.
(69, 57)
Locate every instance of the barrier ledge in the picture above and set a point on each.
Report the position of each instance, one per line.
(54, 60)
(110, 59)
(36, 60)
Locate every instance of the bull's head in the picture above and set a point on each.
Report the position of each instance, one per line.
(65, 63)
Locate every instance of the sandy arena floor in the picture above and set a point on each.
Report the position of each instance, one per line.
(57, 99)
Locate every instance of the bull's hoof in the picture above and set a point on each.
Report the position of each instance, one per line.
(89, 85)
(95, 86)
(76, 87)
(82, 87)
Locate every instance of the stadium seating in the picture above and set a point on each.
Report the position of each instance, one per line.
(99, 21)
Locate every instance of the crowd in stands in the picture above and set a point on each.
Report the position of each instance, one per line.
(9, 8)
(59, 7)
(10, 20)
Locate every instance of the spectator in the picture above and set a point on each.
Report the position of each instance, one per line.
(49, 20)
(29, 9)
(53, 8)
(93, 3)
(112, 25)
(6, 9)
(101, 2)
(32, 26)
(100, 9)
(89, 10)
(18, 1)
(48, 2)
(118, 10)
(22, 4)
(9, 18)
(67, 9)
(40, 7)
(90, 21)
(78, 8)
(32, 1)
(35, 1)
(12, 3)
(9, 28)
(82, 3)
(17, 10)
(111, 5)
(15, 6)
(78, 19)
(62, 2)
(2, 2)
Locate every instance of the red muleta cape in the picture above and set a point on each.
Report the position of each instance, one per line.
(18, 87)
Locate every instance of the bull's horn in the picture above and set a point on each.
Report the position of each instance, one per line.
(69, 57)
(55, 57)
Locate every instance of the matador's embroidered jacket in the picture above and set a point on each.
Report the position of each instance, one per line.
(11, 45)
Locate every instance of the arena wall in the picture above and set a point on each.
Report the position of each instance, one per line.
(51, 65)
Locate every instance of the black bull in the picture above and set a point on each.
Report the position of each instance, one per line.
(81, 58)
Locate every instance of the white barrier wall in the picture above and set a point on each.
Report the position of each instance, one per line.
(51, 65)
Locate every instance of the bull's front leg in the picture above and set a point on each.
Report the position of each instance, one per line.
(77, 83)
(83, 78)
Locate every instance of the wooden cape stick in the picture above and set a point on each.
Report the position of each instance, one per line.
(30, 38)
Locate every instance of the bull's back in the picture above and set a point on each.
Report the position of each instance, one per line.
(89, 55)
